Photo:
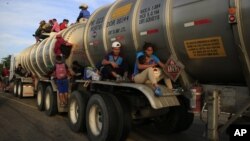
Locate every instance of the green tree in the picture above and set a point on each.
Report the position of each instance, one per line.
(5, 61)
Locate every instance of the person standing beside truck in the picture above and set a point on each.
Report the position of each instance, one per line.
(84, 14)
(61, 74)
(147, 71)
(5, 75)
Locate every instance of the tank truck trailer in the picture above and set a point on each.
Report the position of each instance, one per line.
(212, 45)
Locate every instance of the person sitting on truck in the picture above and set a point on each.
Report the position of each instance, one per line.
(78, 70)
(39, 31)
(64, 24)
(43, 30)
(147, 71)
(114, 65)
(84, 14)
(56, 27)
(20, 70)
(61, 74)
(46, 30)
(62, 47)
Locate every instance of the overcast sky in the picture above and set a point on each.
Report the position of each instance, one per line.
(20, 18)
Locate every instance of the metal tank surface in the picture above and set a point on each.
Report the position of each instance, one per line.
(40, 58)
(196, 32)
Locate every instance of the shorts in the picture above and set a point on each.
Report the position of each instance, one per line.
(6, 80)
(62, 85)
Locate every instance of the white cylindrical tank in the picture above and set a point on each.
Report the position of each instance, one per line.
(211, 49)
(40, 58)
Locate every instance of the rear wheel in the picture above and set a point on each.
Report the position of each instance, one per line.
(124, 118)
(176, 120)
(40, 97)
(102, 118)
(187, 118)
(77, 110)
(50, 102)
(15, 88)
(20, 89)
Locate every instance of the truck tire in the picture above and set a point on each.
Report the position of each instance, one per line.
(15, 88)
(50, 102)
(20, 89)
(187, 117)
(124, 117)
(40, 97)
(77, 111)
(166, 124)
(176, 120)
(101, 118)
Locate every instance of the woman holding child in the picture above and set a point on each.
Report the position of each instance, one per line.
(146, 68)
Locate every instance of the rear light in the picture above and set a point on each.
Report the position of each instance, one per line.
(232, 15)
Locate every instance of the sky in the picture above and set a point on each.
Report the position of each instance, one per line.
(19, 19)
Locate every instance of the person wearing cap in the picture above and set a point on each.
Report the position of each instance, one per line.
(114, 65)
(84, 14)
(58, 45)
(146, 69)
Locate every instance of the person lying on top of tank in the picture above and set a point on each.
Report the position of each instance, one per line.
(62, 47)
(78, 70)
(64, 24)
(146, 69)
(61, 73)
(20, 70)
(56, 27)
(114, 66)
(84, 14)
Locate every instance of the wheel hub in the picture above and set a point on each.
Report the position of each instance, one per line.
(96, 119)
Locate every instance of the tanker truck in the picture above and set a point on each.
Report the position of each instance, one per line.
(206, 40)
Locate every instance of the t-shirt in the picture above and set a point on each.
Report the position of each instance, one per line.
(110, 57)
(66, 67)
(84, 14)
(56, 27)
(120, 61)
(57, 49)
(5, 72)
(63, 26)
(153, 59)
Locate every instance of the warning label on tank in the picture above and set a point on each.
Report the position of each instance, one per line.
(205, 48)
(122, 11)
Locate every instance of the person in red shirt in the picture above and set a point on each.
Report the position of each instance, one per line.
(56, 27)
(64, 24)
(58, 45)
(5, 75)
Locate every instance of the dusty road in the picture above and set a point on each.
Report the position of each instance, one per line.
(21, 121)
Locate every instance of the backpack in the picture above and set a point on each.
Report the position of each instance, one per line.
(61, 71)
(90, 74)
